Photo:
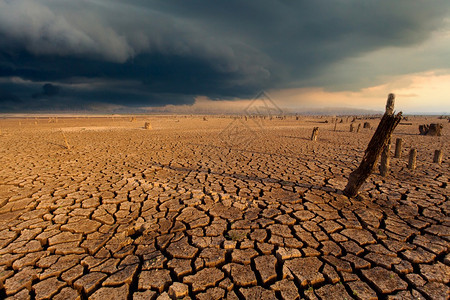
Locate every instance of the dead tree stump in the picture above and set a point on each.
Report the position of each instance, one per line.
(385, 160)
(423, 129)
(314, 134)
(376, 145)
(437, 157)
(431, 129)
(398, 148)
(412, 159)
(435, 129)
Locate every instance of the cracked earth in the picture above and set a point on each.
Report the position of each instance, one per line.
(198, 209)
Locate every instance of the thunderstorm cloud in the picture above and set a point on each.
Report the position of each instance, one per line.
(71, 54)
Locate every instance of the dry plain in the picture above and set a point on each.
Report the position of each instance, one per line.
(217, 208)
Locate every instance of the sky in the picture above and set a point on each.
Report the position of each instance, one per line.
(174, 55)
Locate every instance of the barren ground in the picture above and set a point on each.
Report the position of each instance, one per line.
(215, 209)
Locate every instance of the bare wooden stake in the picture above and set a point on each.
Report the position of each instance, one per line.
(385, 160)
(359, 127)
(398, 148)
(335, 124)
(351, 127)
(314, 134)
(376, 145)
(412, 159)
(65, 140)
(437, 157)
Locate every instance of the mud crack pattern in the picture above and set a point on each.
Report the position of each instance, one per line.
(128, 213)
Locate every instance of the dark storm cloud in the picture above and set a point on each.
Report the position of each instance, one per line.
(48, 90)
(167, 52)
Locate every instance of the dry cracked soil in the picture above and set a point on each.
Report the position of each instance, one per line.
(217, 208)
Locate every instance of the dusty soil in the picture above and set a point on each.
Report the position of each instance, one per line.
(217, 208)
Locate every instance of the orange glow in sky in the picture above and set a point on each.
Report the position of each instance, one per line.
(424, 92)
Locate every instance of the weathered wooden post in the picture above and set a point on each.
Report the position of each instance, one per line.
(359, 127)
(335, 124)
(314, 134)
(376, 145)
(351, 127)
(366, 125)
(437, 156)
(412, 159)
(398, 148)
(385, 160)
